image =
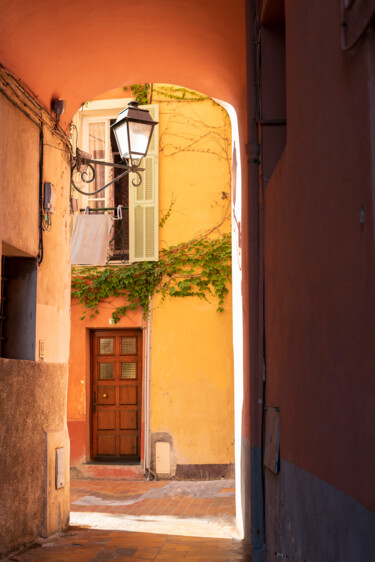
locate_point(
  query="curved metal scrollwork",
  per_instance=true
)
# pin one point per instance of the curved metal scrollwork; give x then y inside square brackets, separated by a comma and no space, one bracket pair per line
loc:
[136,181]
[83,167]
[86,175]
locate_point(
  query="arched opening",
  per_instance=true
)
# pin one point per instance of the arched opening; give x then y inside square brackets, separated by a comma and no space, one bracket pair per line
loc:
[83,55]
[187,381]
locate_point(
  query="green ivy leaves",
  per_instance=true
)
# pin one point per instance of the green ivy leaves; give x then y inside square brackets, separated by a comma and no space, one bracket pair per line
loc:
[141,93]
[198,268]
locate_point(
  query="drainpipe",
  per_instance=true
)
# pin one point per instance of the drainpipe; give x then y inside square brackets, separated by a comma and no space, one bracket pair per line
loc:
[40,225]
[147,395]
[256,499]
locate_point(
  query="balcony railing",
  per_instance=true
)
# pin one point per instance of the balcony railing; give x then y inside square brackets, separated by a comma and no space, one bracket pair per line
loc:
[118,248]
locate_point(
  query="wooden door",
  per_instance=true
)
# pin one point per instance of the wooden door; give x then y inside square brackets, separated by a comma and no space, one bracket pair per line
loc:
[116,394]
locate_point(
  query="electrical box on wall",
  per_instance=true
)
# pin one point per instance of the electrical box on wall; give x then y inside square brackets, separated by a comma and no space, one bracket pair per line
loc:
[49,199]
[163,455]
[42,348]
[60,468]
[272,439]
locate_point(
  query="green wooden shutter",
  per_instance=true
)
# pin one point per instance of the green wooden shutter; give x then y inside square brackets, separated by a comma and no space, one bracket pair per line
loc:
[144,203]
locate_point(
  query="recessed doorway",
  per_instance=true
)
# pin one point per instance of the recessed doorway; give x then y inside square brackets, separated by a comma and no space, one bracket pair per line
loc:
[116,395]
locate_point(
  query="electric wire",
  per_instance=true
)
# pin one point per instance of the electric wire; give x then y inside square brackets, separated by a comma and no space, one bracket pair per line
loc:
[26,102]
[16,86]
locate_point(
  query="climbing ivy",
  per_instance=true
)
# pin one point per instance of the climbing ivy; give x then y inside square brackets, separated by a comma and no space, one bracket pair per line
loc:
[179,94]
[142,93]
[198,268]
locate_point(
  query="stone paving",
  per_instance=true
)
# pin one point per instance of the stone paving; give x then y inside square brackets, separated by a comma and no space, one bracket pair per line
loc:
[118,520]
[176,507]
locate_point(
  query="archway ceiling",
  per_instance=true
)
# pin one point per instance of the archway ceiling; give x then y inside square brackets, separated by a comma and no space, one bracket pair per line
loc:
[77,49]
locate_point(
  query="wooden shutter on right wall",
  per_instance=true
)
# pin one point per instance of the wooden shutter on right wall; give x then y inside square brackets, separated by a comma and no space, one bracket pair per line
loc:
[144,203]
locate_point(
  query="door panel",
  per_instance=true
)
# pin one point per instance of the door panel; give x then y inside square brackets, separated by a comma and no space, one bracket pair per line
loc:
[106,420]
[129,445]
[106,445]
[106,346]
[128,370]
[117,394]
[106,371]
[128,345]
[128,420]
[128,395]
[106,394]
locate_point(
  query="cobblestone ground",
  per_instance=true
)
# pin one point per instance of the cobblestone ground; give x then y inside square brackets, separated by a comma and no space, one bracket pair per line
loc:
[118,520]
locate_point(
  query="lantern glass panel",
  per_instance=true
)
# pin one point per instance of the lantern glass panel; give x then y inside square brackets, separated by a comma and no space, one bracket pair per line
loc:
[121,133]
[139,134]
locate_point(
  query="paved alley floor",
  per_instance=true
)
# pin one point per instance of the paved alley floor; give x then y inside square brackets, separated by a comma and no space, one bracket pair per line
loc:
[163,520]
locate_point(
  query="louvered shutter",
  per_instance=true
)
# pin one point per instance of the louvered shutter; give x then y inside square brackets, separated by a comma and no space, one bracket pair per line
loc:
[144,203]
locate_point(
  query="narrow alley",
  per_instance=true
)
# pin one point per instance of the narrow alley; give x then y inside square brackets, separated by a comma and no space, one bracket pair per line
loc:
[163,520]
[187,280]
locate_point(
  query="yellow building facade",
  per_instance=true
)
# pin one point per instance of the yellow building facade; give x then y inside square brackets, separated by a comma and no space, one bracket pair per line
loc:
[175,418]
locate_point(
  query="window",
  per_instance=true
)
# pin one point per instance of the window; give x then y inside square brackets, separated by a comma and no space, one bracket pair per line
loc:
[135,236]
[18,307]
[98,148]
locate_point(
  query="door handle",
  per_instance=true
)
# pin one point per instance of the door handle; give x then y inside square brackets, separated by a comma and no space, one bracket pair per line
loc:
[94,403]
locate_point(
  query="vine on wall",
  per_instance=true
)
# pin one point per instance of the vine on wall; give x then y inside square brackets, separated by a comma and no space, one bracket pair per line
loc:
[199,268]
[143,93]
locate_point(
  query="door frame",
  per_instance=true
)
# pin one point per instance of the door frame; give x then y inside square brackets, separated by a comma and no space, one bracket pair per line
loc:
[90,386]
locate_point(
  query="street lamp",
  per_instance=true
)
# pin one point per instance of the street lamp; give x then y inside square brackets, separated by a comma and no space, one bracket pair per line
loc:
[133,130]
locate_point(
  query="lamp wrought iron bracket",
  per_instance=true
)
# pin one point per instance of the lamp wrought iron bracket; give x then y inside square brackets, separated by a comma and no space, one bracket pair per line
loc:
[83,167]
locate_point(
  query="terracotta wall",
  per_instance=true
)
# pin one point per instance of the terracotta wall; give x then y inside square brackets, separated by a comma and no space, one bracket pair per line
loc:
[79,388]
[319,295]
[192,44]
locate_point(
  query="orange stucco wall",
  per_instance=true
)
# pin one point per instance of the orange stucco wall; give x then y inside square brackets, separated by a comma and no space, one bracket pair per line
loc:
[112,41]
[33,415]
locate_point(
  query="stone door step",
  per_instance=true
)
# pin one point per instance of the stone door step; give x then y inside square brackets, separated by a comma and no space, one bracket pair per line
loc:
[106,471]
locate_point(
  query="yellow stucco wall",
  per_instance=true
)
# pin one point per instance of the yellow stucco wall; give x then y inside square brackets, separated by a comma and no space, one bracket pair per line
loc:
[191,357]
[192,380]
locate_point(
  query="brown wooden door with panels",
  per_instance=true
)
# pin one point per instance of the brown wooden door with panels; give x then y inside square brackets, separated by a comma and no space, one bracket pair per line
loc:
[116,395]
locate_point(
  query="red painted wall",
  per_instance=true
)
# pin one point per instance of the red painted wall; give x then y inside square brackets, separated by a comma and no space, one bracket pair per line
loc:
[319,257]
[77,435]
